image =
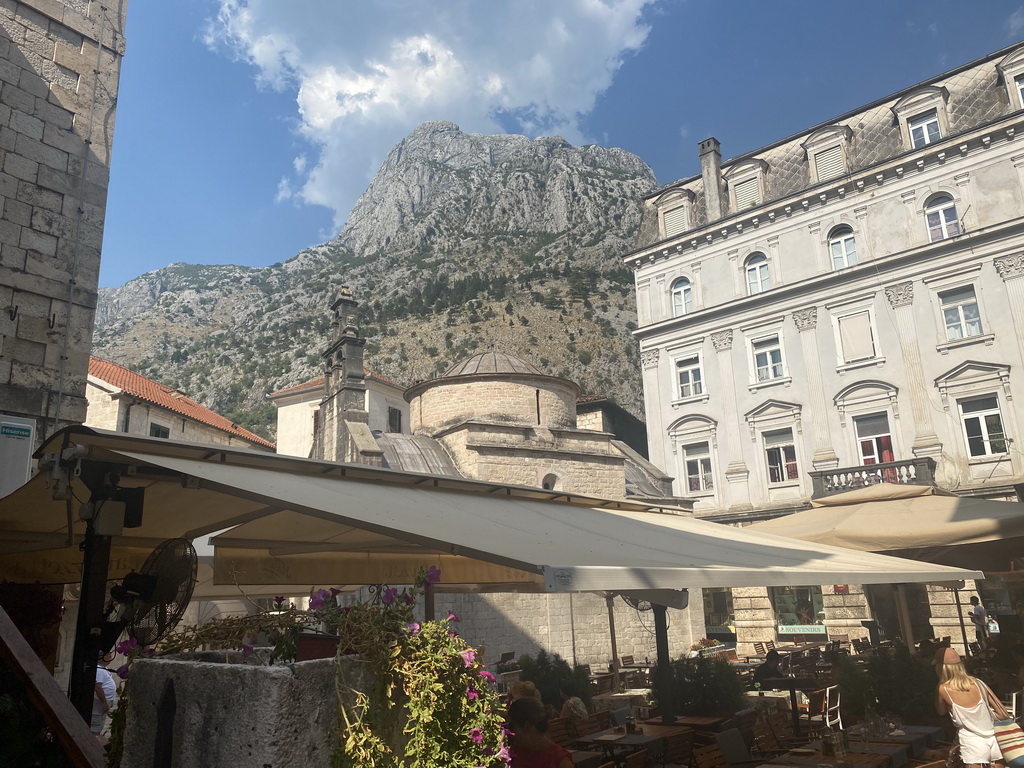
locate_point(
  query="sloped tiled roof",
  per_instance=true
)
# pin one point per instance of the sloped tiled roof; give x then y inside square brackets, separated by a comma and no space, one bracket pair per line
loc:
[137,385]
[319,382]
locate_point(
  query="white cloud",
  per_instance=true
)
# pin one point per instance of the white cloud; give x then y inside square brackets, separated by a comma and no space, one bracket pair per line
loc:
[365,74]
[1015,23]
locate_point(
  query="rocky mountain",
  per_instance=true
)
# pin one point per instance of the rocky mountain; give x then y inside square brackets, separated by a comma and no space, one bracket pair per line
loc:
[461,243]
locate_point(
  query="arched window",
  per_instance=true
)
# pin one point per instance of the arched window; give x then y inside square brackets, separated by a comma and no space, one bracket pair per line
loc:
[682,297]
[940,215]
[550,482]
[758,279]
[842,245]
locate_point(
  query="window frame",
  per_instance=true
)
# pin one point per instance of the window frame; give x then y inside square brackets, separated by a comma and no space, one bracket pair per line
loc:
[788,463]
[763,279]
[1011,69]
[925,121]
[678,362]
[848,309]
[963,323]
[828,139]
[945,283]
[985,435]
[754,170]
[842,234]
[918,105]
[938,204]
[770,365]
[705,466]
[401,419]
[673,201]
[686,293]
[162,431]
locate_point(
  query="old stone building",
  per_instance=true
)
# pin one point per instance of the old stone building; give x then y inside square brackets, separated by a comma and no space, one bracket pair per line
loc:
[840,307]
[60,63]
[497,418]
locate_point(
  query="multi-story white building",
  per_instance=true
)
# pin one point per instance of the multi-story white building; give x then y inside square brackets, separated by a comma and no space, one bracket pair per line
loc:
[843,306]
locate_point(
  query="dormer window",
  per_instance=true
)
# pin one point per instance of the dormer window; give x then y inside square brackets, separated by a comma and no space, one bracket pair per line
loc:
[1011,70]
[674,212]
[826,151]
[746,184]
[922,116]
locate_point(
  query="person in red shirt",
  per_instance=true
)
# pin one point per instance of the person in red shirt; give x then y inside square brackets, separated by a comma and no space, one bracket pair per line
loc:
[528,720]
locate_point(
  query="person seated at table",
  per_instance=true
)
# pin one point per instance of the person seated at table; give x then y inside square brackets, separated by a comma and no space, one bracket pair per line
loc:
[573,708]
[531,748]
[770,668]
[526,689]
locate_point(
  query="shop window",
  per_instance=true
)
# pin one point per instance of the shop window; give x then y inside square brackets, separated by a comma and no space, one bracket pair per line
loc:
[719,617]
[798,610]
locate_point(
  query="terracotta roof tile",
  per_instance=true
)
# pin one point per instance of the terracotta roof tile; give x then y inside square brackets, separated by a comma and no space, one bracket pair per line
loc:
[137,385]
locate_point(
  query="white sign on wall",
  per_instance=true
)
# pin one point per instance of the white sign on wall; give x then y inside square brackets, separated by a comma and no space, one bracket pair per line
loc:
[17,440]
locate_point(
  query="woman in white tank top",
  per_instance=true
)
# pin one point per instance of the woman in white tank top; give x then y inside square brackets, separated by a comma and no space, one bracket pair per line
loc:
[971,705]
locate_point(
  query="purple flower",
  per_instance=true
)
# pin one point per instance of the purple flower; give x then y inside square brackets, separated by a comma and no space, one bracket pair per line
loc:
[335,591]
[279,601]
[452,633]
[408,597]
[149,651]
[488,751]
[433,575]
[412,628]
[247,649]
[467,657]
[318,600]
[504,755]
[472,693]
[389,596]
[452,616]
[487,675]
[127,646]
[122,672]
[477,735]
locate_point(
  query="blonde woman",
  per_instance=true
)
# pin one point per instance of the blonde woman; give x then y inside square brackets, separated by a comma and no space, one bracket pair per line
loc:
[971,705]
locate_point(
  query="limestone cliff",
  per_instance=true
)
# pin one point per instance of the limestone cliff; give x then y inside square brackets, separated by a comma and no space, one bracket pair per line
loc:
[460,243]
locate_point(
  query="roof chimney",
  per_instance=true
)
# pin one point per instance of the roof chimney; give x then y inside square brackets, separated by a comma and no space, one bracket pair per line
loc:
[711,172]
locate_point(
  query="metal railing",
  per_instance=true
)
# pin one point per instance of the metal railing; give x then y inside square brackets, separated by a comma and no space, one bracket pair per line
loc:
[919,471]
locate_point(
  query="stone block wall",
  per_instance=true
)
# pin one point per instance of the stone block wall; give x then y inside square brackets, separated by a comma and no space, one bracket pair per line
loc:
[512,400]
[60,62]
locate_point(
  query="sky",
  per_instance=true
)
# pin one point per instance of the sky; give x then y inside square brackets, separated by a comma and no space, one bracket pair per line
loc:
[247,129]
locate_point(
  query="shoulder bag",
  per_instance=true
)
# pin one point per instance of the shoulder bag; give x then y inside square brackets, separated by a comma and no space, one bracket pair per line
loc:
[1008,734]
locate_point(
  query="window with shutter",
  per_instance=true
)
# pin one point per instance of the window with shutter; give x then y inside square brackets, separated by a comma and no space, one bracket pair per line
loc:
[829,164]
[748,193]
[856,337]
[675,221]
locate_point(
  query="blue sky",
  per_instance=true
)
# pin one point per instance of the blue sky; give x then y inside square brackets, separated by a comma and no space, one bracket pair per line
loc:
[246,129]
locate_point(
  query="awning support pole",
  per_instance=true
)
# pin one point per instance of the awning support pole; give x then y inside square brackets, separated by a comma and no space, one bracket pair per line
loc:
[903,612]
[82,686]
[960,614]
[663,671]
[609,600]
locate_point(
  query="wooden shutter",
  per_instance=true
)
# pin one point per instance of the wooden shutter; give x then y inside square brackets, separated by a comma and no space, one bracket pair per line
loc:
[856,337]
[748,193]
[675,220]
[829,163]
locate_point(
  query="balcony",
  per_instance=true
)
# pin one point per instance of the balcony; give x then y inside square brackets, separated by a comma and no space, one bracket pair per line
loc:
[909,472]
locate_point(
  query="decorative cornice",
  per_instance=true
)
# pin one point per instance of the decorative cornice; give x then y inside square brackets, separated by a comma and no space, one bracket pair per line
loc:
[806,319]
[900,294]
[649,358]
[1011,266]
[722,340]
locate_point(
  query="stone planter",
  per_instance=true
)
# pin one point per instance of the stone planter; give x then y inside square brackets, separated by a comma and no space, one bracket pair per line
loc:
[220,709]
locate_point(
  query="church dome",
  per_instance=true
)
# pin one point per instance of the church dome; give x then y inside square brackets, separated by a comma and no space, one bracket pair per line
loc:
[493,363]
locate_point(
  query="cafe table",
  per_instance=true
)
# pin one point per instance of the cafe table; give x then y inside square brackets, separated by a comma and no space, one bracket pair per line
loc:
[582,758]
[649,737]
[899,754]
[696,722]
[818,760]
[792,684]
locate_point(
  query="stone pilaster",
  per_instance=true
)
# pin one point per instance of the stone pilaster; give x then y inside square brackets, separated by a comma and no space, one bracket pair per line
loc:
[901,299]
[654,396]
[755,618]
[824,454]
[737,494]
[1011,269]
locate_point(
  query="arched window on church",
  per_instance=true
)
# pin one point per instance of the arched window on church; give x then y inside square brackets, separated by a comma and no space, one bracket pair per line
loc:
[550,482]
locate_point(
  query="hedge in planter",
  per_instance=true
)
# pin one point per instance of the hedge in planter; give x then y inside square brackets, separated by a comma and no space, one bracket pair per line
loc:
[702,687]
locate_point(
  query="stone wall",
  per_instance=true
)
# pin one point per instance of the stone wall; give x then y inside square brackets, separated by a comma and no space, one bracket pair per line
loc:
[59,67]
[509,399]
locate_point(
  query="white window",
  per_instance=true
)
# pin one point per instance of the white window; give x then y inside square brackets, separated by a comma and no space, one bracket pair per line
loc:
[830,163]
[940,215]
[767,358]
[1018,83]
[924,129]
[697,458]
[682,297]
[842,245]
[674,220]
[960,313]
[688,375]
[758,279]
[748,193]
[983,426]
[874,438]
[856,337]
[780,454]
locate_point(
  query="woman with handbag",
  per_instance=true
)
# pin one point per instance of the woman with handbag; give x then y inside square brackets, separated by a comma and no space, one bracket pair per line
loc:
[973,708]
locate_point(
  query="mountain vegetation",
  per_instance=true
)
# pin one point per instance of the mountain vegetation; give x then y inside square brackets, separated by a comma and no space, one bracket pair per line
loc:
[462,243]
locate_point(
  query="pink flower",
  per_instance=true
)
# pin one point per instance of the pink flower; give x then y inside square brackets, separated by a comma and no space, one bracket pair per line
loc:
[127,646]
[412,628]
[453,617]
[122,672]
[389,596]
[467,657]
[452,633]
[477,735]
[472,693]
[487,675]
[149,651]
[408,597]
[433,575]
[504,755]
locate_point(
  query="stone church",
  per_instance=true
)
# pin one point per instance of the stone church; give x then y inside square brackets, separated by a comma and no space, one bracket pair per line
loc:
[496,418]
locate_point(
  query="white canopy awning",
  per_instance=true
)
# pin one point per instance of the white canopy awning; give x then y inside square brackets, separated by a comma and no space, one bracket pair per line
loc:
[320,523]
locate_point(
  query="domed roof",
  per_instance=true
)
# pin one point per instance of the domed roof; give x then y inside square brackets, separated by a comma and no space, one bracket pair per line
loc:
[491,363]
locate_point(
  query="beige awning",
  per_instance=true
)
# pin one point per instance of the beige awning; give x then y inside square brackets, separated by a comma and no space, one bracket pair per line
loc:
[913,521]
[319,523]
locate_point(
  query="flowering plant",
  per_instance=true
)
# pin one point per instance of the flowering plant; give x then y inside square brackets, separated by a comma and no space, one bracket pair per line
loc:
[705,642]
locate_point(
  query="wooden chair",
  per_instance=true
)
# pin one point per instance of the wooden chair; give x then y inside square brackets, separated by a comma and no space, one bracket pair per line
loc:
[627,661]
[843,642]
[678,749]
[759,649]
[744,721]
[770,645]
[636,759]
[709,756]
[558,731]
[603,719]
[781,724]
[588,726]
